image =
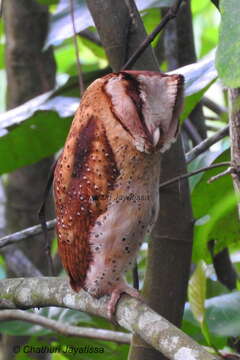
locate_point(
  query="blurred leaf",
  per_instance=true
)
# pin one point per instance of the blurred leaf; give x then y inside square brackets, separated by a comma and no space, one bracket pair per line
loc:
[48,2]
[198,78]
[197,295]
[66,316]
[3,86]
[61,24]
[222,315]
[38,137]
[198,75]
[206,21]
[228,53]
[197,291]
[2,60]
[191,101]
[97,50]
[92,349]
[151,18]
[218,201]
[203,160]
[199,6]
[27,350]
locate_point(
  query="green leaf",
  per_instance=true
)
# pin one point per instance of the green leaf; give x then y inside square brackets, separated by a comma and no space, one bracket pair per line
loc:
[218,201]
[197,291]
[191,101]
[3,87]
[48,2]
[198,75]
[198,78]
[222,315]
[203,160]
[39,136]
[103,350]
[197,295]
[151,18]
[228,53]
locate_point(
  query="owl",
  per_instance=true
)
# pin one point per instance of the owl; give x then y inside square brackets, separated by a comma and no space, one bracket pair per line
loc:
[106,180]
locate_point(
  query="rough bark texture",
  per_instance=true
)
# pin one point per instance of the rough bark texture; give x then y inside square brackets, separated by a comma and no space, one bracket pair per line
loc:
[234,117]
[131,313]
[30,72]
[170,247]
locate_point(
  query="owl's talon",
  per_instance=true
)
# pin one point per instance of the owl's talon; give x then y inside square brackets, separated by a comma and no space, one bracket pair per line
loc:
[115,296]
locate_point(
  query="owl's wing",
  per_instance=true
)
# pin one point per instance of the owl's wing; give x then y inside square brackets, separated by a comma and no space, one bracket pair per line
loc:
[84,175]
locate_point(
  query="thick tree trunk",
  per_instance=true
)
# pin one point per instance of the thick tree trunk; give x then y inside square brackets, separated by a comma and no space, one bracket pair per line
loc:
[170,246]
[30,72]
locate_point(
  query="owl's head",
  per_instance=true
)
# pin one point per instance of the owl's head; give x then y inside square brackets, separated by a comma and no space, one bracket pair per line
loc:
[147,104]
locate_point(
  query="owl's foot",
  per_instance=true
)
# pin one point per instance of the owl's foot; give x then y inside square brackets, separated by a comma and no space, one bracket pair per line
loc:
[115,296]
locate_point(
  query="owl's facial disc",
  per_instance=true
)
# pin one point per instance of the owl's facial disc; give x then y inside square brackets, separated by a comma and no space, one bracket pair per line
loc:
[148,105]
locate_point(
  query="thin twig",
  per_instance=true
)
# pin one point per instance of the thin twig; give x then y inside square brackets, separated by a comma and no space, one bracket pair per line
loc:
[18,263]
[79,67]
[192,173]
[230,170]
[217,109]
[206,144]
[65,329]
[192,132]
[171,14]
[26,233]
[42,218]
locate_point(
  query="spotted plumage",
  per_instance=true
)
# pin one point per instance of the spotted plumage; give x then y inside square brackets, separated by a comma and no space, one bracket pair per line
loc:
[106,180]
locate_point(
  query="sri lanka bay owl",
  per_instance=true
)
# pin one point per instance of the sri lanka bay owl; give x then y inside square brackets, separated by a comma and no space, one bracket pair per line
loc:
[106,180]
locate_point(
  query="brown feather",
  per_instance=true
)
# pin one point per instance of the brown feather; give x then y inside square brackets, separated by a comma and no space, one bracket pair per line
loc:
[90,170]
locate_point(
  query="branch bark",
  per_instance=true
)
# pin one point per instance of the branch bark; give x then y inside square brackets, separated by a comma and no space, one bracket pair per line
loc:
[206,144]
[25,234]
[133,315]
[234,123]
[65,329]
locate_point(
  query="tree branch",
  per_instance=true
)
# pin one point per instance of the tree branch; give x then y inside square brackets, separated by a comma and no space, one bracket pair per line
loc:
[192,132]
[65,329]
[217,109]
[26,233]
[206,144]
[19,264]
[132,314]
[171,14]
[192,173]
